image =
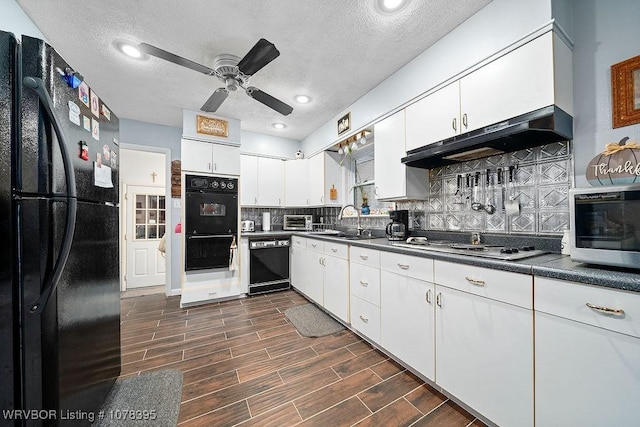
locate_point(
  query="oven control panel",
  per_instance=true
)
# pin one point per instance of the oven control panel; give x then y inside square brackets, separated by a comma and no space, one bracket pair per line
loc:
[272,243]
[201,183]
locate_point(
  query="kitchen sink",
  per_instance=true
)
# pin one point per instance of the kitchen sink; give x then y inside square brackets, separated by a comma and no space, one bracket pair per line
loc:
[341,235]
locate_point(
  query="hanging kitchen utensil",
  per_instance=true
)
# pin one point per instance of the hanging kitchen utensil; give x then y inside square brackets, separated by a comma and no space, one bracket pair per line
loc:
[475,199]
[490,206]
[511,206]
[500,178]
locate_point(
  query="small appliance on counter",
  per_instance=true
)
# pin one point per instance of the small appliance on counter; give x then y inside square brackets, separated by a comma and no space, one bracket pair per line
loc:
[247,226]
[605,225]
[298,222]
[266,221]
[398,228]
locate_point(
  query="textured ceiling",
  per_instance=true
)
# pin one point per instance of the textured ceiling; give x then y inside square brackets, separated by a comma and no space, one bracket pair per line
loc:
[332,50]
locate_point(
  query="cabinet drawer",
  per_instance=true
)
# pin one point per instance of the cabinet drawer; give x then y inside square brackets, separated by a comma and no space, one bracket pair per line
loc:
[364,256]
[315,245]
[365,282]
[336,249]
[298,242]
[407,265]
[569,300]
[505,286]
[365,318]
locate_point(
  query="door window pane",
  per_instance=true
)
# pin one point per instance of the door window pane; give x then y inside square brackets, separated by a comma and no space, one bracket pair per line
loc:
[149,213]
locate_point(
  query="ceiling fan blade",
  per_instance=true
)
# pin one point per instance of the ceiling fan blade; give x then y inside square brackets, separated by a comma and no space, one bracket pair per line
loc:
[168,56]
[215,100]
[260,55]
[269,101]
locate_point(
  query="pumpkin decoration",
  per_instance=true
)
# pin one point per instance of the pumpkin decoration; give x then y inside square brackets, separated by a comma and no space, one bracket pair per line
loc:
[618,164]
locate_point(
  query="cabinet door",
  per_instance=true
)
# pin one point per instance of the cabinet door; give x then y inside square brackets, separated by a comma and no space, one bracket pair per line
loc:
[407,321]
[336,286]
[514,84]
[296,182]
[270,182]
[196,156]
[585,375]
[434,118]
[296,268]
[248,180]
[388,149]
[225,159]
[316,180]
[484,355]
[314,272]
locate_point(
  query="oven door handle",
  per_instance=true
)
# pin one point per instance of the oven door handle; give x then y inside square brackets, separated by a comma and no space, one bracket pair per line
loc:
[211,236]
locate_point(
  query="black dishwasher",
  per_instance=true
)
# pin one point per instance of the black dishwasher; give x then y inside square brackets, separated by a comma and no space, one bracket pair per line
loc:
[268,265]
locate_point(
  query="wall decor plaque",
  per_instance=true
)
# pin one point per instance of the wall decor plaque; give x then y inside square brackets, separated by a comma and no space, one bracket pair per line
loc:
[344,123]
[176,182]
[625,92]
[212,126]
[618,164]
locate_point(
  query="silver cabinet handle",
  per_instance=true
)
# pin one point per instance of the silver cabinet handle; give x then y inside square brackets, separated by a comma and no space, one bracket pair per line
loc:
[363,283]
[321,199]
[364,319]
[365,257]
[464,120]
[606,310]
[475,281]
[255,200]
[375,191]
[454,124]
[439,299]
[334,250]
[279,201]
[215,166]
[427,296]
[403,266]
[209,166]
[313,244]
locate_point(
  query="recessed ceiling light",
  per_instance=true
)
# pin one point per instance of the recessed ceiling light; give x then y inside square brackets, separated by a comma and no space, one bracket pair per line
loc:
[302,99]
[279,125]
[391,6]
[130,49]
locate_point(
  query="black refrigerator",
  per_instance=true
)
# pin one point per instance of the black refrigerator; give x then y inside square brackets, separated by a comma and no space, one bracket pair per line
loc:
[59,224]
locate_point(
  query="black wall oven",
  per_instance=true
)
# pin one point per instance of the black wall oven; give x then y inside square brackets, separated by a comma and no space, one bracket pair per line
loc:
[211,220]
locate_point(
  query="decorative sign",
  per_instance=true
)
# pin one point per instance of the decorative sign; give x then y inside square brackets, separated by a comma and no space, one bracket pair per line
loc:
[625,92]
[211,126]
[175,178]
[618,164]
[344,123]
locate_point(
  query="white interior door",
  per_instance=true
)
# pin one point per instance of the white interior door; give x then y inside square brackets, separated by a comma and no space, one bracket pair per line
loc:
[145,224]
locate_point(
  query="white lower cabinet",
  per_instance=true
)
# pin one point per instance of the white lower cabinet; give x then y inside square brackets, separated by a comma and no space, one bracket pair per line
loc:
[365,318]
[314,272]
[587,360]
[364,285]
[484,346]
[407,320]
[298,254]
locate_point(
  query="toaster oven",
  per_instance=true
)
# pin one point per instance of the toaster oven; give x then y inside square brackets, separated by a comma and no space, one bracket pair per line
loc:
[298,222]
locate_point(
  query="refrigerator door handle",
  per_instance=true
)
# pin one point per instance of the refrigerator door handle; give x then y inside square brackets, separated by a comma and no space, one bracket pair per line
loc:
[72,202]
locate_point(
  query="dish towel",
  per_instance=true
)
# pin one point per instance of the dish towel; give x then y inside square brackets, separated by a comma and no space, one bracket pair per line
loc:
[233,255]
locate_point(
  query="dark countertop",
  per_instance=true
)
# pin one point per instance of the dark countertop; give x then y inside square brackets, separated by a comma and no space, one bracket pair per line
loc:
[552,265]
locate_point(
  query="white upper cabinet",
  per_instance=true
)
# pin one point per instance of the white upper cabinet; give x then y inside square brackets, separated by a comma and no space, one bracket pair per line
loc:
[296,182]
[261,181]
[324,173]
[434,118]
[394,180]
[206,157]
[533,76]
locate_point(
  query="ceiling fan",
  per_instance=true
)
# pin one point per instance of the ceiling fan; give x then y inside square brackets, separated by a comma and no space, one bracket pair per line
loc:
[232,71]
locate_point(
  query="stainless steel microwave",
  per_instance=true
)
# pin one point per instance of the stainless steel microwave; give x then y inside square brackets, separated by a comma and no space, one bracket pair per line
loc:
[605,225]
[298,222]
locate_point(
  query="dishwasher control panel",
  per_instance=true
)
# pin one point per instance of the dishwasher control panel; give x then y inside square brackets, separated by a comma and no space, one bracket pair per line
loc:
[271,243]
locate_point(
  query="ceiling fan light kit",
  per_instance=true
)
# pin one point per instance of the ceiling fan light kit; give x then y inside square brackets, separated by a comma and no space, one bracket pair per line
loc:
[232,71]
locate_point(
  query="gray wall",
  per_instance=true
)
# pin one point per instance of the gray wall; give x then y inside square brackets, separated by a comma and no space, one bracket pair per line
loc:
[152,135]
[14,20]
[605,32]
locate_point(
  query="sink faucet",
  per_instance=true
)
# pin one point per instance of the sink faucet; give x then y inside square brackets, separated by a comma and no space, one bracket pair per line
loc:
[359,227]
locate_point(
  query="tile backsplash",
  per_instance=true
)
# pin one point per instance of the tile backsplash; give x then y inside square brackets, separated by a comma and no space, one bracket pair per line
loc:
[541,182]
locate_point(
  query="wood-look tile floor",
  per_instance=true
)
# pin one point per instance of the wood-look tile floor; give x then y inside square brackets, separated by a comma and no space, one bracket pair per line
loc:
[244,364]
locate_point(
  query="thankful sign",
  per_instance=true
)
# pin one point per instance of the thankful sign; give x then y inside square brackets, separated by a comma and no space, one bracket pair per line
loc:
[618,164]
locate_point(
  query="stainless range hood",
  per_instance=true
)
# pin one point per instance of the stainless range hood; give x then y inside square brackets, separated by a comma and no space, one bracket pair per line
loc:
[540,127]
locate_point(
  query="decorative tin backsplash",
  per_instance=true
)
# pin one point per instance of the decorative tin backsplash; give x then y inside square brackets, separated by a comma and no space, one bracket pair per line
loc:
[328,216]
[541,181]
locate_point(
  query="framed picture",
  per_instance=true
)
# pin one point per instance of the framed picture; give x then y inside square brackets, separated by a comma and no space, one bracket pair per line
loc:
[212,126]
[625,92]
[344,123]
